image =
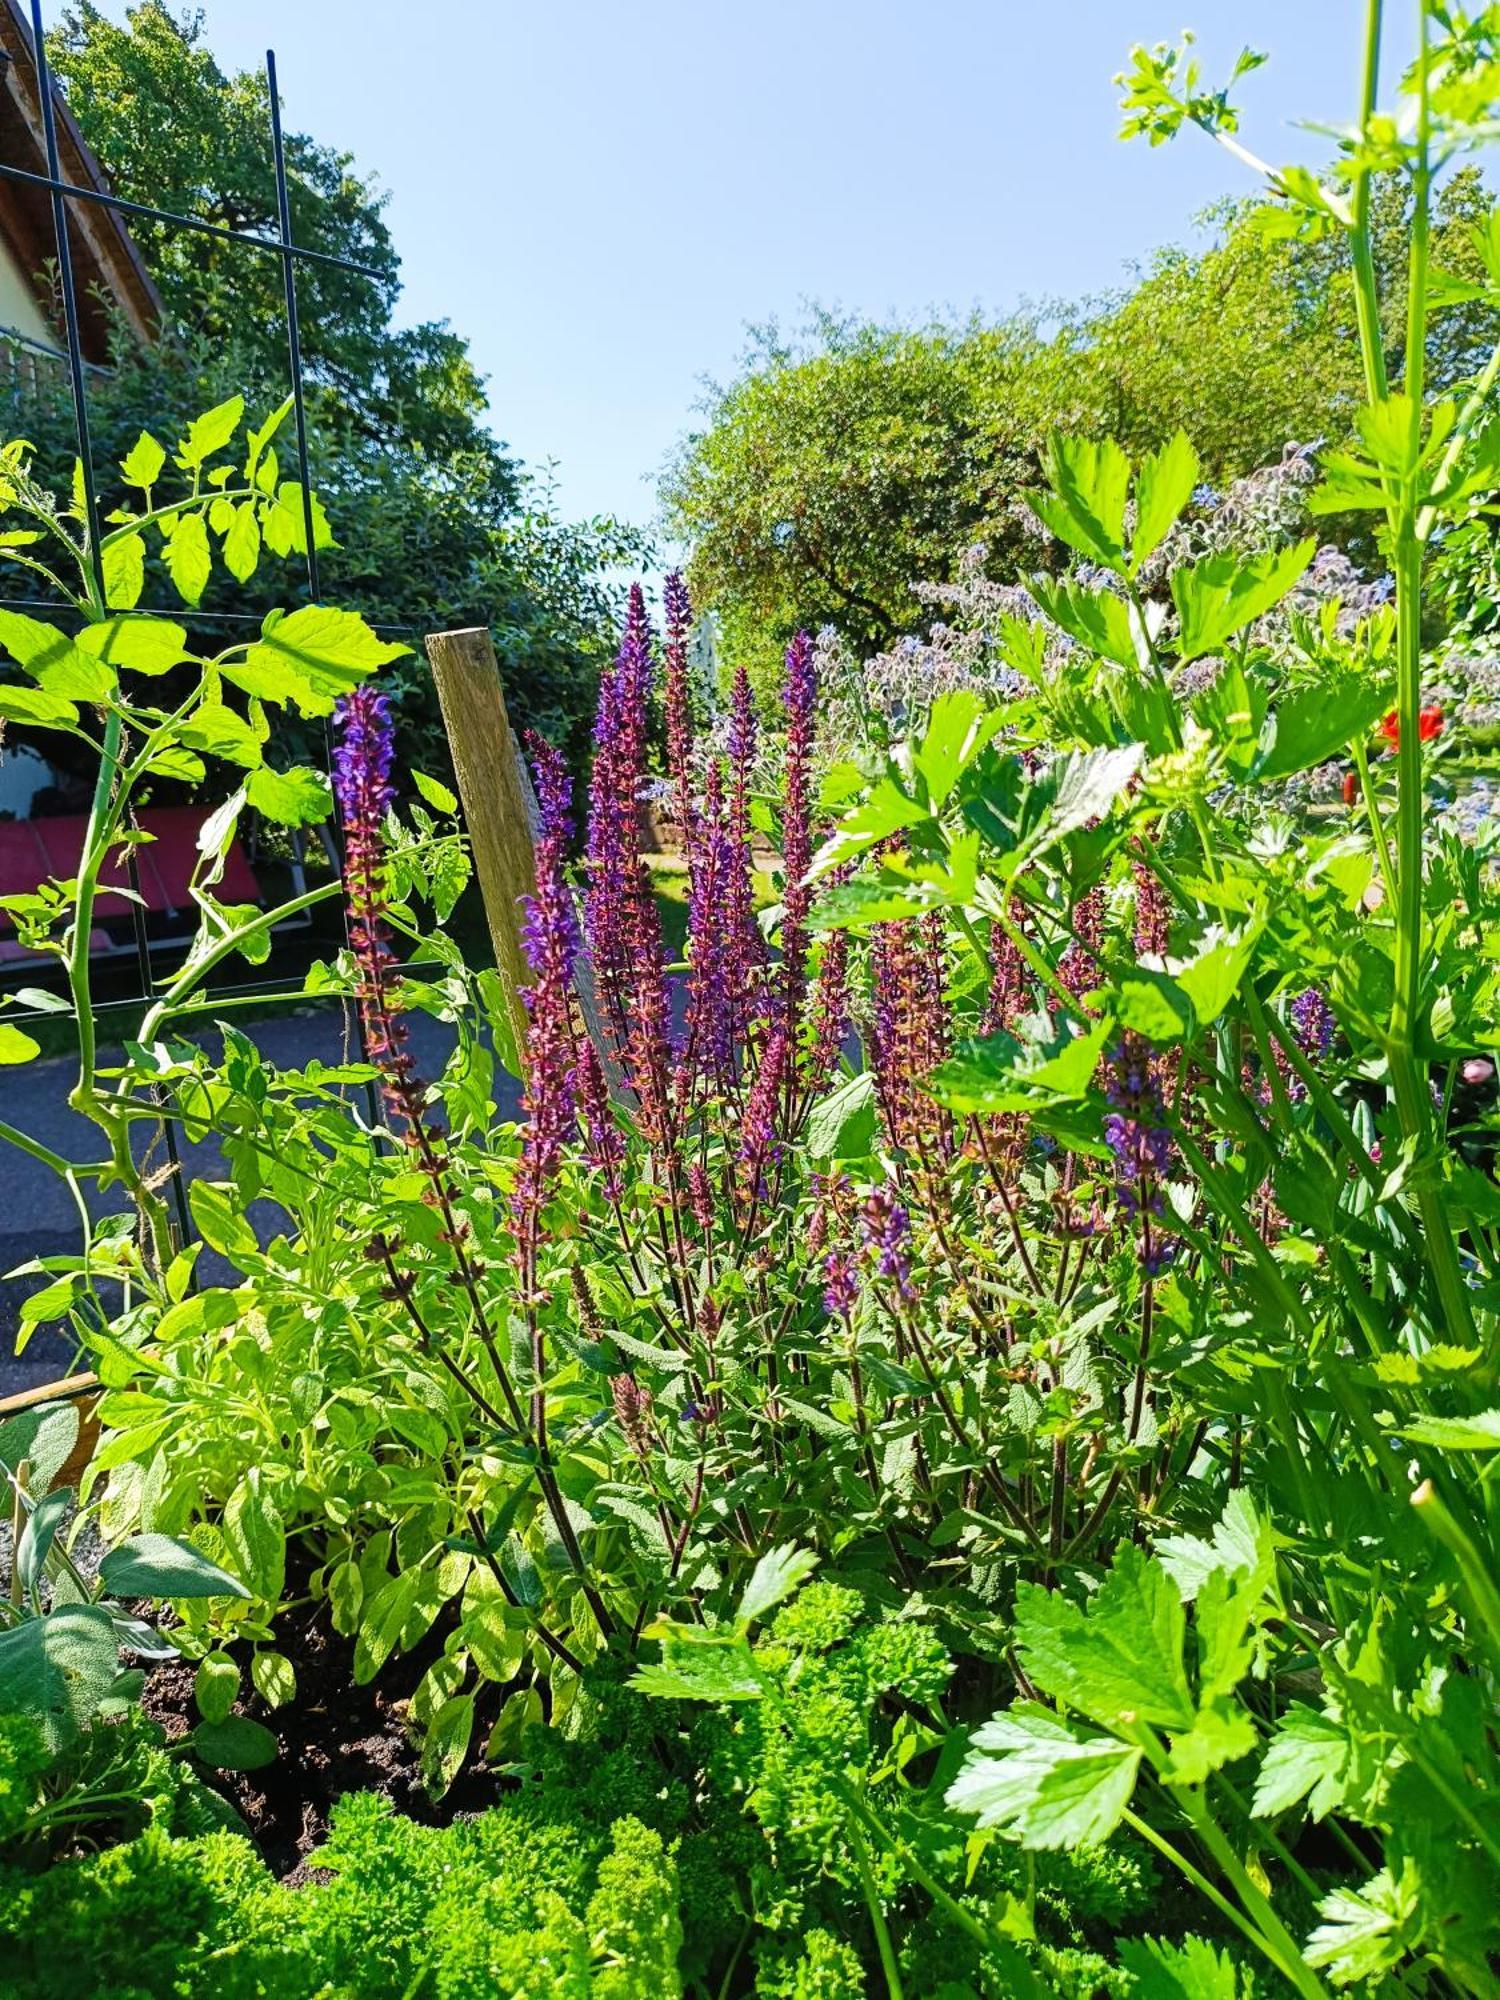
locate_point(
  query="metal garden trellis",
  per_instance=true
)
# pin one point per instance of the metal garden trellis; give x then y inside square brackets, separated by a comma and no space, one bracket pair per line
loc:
[291,254]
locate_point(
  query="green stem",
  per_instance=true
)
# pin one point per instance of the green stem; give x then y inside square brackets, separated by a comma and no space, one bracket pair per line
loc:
[1479,1586]
[1274,1939]
[95,847]
[1199,1880]
[1377,823]
[871,1890]
[1366,288]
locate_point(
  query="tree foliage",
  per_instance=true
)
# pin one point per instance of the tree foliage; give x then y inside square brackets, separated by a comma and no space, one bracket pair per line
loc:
[436,523]
[839,469]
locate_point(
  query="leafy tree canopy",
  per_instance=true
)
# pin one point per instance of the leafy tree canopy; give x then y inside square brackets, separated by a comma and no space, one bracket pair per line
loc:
[840,468]
[436,524]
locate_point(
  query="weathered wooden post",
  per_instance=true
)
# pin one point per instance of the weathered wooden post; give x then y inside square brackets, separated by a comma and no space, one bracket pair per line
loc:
[493,787]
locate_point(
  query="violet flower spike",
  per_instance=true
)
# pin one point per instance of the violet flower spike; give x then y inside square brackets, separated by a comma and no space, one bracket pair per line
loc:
[747,947]
[801,697]
[624,930]
[759,1127]
[711,948]
[1153,915]
[887,1230]
[550,938]
[840,1285]
[1312,1023]
[363,759]
[1136,1133]
[677,612]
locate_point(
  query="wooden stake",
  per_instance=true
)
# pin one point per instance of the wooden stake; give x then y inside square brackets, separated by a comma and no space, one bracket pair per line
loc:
[491,784]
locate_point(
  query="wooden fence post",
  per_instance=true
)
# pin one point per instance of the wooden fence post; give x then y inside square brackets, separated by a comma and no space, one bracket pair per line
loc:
[493,786]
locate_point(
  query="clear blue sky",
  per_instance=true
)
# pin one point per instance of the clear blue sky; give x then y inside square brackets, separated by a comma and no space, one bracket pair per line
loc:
[601,196]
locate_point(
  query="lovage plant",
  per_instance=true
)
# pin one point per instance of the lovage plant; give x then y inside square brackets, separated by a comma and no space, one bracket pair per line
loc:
[1263,1041]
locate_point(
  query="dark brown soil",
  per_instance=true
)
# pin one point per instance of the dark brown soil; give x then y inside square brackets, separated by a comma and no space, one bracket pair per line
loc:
[333,1738]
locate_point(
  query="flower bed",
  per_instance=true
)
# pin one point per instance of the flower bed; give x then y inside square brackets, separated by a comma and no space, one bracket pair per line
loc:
[949,1451]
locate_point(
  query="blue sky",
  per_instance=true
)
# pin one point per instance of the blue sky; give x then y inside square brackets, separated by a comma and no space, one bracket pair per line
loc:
[602,196]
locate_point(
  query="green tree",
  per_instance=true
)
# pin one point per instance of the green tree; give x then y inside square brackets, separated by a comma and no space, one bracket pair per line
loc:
[836,471]
[436,524]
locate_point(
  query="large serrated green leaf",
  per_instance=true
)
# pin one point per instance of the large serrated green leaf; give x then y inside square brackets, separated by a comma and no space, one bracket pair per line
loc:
[1041,1783]
[1223,594]
[1119,1658]
[778,1574]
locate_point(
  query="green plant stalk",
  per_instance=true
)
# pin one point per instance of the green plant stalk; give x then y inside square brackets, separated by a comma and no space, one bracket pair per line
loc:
[1479,1585]
[867,1883]
[950,1905]
[1275,1939]
[1377,823]
[1219,1900]
[1407,528]
[1366,289]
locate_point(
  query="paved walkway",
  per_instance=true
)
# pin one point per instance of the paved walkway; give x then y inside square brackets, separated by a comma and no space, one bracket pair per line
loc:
[37,1214]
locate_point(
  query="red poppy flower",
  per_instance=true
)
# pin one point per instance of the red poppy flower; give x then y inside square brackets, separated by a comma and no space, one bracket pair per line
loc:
[1429,725]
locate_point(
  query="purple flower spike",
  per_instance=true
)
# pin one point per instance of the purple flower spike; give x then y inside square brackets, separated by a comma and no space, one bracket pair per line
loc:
[606,1142]
[1312,1024]
[759,1128]
[624,930]
[840,1285]
[363,758]
[888,1239]
[1153,916]
[677,609]
[715,967]
[747,947]
[801,698]
[1136,1133]
[550,936]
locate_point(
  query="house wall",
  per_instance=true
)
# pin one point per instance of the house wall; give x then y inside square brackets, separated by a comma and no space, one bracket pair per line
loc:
[19,311]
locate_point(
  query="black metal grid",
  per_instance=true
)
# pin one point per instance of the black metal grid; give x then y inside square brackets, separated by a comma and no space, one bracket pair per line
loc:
[282,245]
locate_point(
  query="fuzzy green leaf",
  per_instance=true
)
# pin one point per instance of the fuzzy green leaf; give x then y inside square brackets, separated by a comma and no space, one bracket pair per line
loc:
[841,1126]
[142,464]
[123,562]
[242,543]
[143,645]
[25,704]
[235,1744]
[298,797]
[162,1566]
[189,563]
[437,795]
[210,433]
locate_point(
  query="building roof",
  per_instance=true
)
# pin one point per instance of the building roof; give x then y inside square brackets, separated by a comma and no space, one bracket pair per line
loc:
[109,273]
